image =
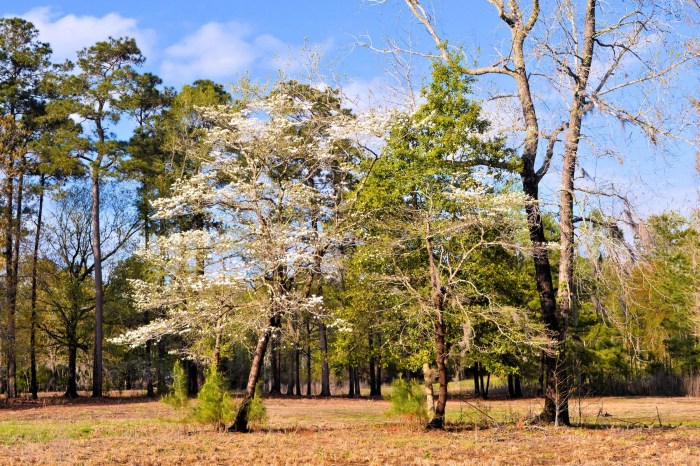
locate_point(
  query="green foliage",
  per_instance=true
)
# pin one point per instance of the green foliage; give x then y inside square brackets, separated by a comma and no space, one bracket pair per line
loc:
[214,404]
[257,412]
[408,399]
[177,398]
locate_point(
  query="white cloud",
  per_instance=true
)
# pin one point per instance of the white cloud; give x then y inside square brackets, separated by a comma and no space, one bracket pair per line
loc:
[222,50]
[69,33]
[215,50]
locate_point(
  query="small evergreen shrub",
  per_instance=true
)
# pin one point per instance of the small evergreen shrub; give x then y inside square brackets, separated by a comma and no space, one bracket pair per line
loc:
[408,400]
[257,413]
[214,403]
[177,398]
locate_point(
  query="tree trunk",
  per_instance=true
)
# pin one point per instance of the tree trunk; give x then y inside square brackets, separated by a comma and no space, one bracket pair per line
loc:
[192,383]
[566,196]
[160,368]
[372,364]
[297,371]
[557,389]
[530,177]
[276,385]
[482,390]
[149,370]
[378,381]
[351,382]
[358,393]
[438,420]
[488,382]
[308,358]
[200,377]
[438,300]
[511,387]
[530,180]
[325,373]
[72,389]
[518,388]
[477,392]
[99,298]
[10,298]
[240,424]
[540,376]
[429,392]
[15,267]
[216,353]
[543,279]
[148,356]
[33,387]
[290,372]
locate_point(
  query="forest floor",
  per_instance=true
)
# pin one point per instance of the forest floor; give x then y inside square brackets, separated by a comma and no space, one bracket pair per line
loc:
[351,431]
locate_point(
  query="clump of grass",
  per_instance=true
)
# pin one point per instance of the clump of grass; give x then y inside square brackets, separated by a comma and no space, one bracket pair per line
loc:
[214,404]
[257,413]
[408,400]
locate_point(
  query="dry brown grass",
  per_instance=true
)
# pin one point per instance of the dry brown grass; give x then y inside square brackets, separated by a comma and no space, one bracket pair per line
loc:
[342,431]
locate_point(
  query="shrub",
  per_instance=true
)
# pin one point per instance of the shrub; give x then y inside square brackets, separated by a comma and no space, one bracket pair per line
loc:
[408,400]
[214,404]
[257,413]
[177,398]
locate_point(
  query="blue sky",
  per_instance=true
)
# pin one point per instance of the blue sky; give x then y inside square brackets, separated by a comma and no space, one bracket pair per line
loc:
[221,40]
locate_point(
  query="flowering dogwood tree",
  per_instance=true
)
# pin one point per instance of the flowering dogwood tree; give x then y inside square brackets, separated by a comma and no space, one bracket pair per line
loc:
[276,190]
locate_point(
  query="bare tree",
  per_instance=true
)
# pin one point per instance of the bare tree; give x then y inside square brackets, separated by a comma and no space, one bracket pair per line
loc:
[604,59]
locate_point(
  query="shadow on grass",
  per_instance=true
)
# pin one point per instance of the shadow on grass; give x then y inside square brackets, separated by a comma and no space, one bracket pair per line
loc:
[60,400]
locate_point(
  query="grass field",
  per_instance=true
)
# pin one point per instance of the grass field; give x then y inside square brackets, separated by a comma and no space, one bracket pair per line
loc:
[344,431]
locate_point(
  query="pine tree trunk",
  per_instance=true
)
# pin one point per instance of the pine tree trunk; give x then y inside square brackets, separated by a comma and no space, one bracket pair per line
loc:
[308,358]
[290,372]
[297,371]
[10,301]
[325,372]
[15,266]
[33,386]
[99,289]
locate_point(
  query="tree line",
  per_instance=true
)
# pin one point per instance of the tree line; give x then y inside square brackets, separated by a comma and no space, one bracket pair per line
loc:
[266,231]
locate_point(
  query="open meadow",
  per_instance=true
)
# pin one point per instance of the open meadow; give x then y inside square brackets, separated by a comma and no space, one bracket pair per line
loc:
[351,431]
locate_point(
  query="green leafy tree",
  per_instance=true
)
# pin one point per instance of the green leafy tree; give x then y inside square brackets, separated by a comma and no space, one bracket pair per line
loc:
[432,212]
[24,60]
